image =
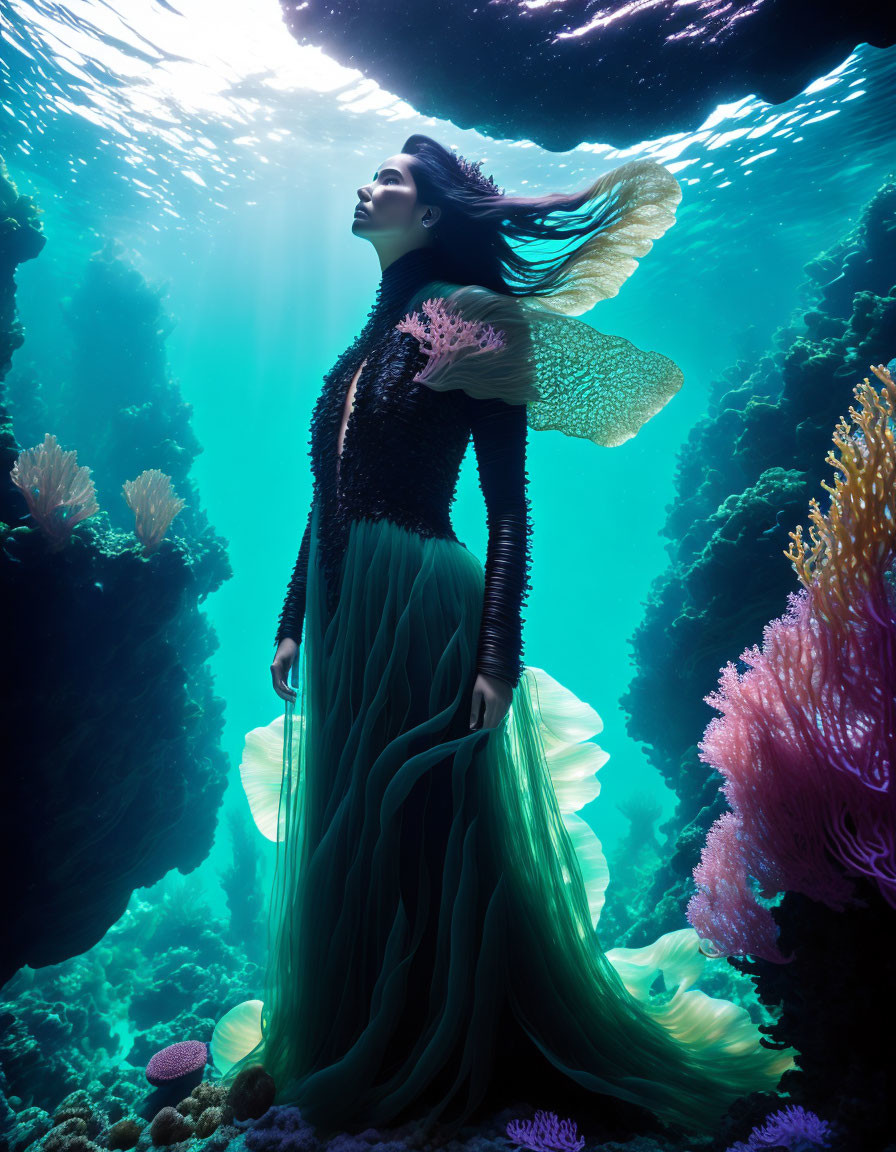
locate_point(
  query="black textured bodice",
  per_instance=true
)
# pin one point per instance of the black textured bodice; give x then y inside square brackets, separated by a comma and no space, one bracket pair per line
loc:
[402,453]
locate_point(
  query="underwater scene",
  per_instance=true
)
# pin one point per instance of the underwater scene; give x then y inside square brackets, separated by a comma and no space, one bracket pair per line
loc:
[448,575]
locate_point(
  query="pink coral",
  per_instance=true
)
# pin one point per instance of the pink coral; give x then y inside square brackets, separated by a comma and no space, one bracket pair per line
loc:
[59,493]
[807,740]
[806,745]
[724,911]
[155,504]
[444,337]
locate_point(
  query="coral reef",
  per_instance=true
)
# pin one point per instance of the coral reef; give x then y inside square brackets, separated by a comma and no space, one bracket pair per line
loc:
[112,731]
[112,397]
[744,479]
[808,733]
[55,1037]
[806,748]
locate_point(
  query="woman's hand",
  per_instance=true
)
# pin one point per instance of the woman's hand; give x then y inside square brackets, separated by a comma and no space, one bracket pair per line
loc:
[283,662]
[494,695]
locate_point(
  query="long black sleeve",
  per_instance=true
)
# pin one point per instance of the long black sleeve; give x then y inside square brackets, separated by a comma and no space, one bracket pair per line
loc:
[292,615]
[499,439]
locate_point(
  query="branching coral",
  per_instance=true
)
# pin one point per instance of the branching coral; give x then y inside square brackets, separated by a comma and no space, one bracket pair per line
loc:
[444,337]
[155,504]
[546,1133]
[854,544]
[59,493]
[807,740]
[793,1129]
[725,910]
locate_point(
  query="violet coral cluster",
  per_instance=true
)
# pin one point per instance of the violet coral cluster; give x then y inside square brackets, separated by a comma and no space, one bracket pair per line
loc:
[793,1128]
[546,1133]
[154,503]
[807,738]
[445,337]
[59,493]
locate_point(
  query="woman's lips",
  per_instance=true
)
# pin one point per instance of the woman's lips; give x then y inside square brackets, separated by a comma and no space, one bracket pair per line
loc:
[360,211]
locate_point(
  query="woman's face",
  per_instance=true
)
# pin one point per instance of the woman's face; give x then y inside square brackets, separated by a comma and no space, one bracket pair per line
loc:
[387,207]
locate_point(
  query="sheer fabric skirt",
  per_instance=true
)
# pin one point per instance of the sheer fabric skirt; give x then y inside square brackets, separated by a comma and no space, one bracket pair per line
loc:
[432,949]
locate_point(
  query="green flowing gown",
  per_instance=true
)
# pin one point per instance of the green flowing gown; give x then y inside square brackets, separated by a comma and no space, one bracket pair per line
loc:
[433,948]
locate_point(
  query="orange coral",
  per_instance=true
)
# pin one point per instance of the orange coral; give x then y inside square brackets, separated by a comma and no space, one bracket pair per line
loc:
[854,543]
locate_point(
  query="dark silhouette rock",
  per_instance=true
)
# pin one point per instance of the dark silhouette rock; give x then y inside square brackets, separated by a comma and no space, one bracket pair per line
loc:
[562,73]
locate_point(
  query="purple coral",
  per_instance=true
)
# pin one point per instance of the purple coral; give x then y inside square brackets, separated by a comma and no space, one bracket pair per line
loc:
[176,1061]
[281,1129]
[444,337]
[546,1133]
[792,1128]
[58,492]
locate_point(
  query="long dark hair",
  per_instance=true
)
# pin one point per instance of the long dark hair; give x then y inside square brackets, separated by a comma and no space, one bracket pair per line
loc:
[475,234]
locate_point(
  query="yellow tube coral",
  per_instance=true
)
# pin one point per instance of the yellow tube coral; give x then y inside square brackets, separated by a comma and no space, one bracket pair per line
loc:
[853,544]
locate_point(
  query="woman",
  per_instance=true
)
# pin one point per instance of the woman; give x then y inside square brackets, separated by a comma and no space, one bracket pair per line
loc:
[432,948]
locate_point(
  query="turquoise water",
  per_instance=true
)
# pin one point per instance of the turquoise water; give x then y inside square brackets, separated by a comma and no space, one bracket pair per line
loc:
[226,166]
[267,285]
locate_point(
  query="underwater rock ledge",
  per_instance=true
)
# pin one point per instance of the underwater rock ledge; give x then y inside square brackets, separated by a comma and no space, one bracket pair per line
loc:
[111,731]
[624,76]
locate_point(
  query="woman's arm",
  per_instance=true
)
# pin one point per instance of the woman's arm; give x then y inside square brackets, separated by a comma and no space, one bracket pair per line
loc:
[292,614]
[499,439]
